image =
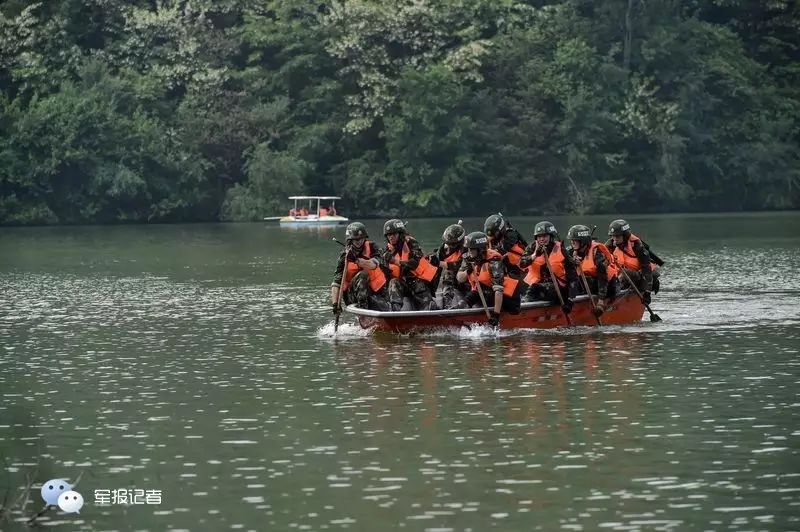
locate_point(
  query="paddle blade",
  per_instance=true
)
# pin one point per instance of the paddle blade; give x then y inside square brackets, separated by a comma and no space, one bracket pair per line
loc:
[655,317]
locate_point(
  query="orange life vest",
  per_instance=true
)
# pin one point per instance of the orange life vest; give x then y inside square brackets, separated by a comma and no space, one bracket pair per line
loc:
[556,265]
[424,270]
[513,255]
[376,277]
[485,276]
[453,257]
[626,257]
[588,266]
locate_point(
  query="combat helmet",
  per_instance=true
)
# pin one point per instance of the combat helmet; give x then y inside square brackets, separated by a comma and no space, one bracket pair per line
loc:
[355,231]
[476,240]
[619,228]
[453,235]
[494,225]
[394,226]
[545,228]
[581,233]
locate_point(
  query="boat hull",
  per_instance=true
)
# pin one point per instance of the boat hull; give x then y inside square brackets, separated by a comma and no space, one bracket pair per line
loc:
[538,315]
[312,220]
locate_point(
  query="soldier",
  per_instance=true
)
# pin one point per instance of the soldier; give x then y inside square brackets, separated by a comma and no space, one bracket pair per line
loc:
[538,279]
[634,256]
[448,259]
[485,270]
[594,260]
[411,273]
[365,283]
[507,241]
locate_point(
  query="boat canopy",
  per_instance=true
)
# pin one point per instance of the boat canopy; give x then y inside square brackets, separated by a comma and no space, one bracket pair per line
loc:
[314,197]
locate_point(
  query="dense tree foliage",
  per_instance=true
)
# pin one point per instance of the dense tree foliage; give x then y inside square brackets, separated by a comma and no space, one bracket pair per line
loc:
[166,110]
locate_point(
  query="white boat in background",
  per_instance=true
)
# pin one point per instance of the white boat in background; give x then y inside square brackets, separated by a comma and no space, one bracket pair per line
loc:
[309,216]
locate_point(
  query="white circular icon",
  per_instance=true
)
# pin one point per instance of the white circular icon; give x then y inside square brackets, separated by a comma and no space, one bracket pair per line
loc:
[52,490]
[70,502]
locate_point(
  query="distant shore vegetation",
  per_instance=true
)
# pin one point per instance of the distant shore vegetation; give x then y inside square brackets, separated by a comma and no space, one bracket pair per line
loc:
[166,111]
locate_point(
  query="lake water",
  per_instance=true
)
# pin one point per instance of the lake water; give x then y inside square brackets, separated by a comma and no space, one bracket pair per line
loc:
[198,360]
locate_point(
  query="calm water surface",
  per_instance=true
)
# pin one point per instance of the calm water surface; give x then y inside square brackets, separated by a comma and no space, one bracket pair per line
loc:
[199,360]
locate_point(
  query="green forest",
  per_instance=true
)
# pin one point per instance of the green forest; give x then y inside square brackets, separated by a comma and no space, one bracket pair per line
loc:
[117,111]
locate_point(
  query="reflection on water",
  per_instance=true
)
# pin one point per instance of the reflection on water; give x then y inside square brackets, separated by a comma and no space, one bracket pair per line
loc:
[212,374]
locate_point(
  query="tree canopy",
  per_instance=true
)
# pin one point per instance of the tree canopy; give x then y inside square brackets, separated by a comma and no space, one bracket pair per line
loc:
[165,110]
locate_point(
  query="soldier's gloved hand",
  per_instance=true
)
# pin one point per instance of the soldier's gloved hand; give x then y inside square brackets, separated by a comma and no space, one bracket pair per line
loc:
[600,308]
[470,262]
[646,297]
[433,259]
[494,319]
[567,306]
[336,309]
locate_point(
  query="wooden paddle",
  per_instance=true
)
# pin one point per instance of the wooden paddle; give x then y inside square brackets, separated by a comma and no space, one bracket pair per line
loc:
[555,283]
[588,292]
[586,282]
[480,294]
[653,315]
[338,313]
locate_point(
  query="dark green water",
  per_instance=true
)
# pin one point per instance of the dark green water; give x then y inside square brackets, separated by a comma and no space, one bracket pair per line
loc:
[198,360]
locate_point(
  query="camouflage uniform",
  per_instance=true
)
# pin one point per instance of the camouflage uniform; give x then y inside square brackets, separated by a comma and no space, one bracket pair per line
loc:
[544,290]
[447,274]
[646,280]
[408,285]
[359,291]
[497,270]
[600,285]
[505,245]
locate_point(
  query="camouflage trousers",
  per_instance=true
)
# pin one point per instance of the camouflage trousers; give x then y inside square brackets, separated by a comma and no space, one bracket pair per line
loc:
[544,292]
[611,290]
[416,289]
[450,287]
[360,294]
[638,279]
[473,299]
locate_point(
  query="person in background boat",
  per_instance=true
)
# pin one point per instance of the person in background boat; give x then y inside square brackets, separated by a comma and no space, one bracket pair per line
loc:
[595,261]
[323,212]
[447,258]
[539,283]
[365,282]
[633,254]
[507,241]
[332,210]
[411,273]
[484,269]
